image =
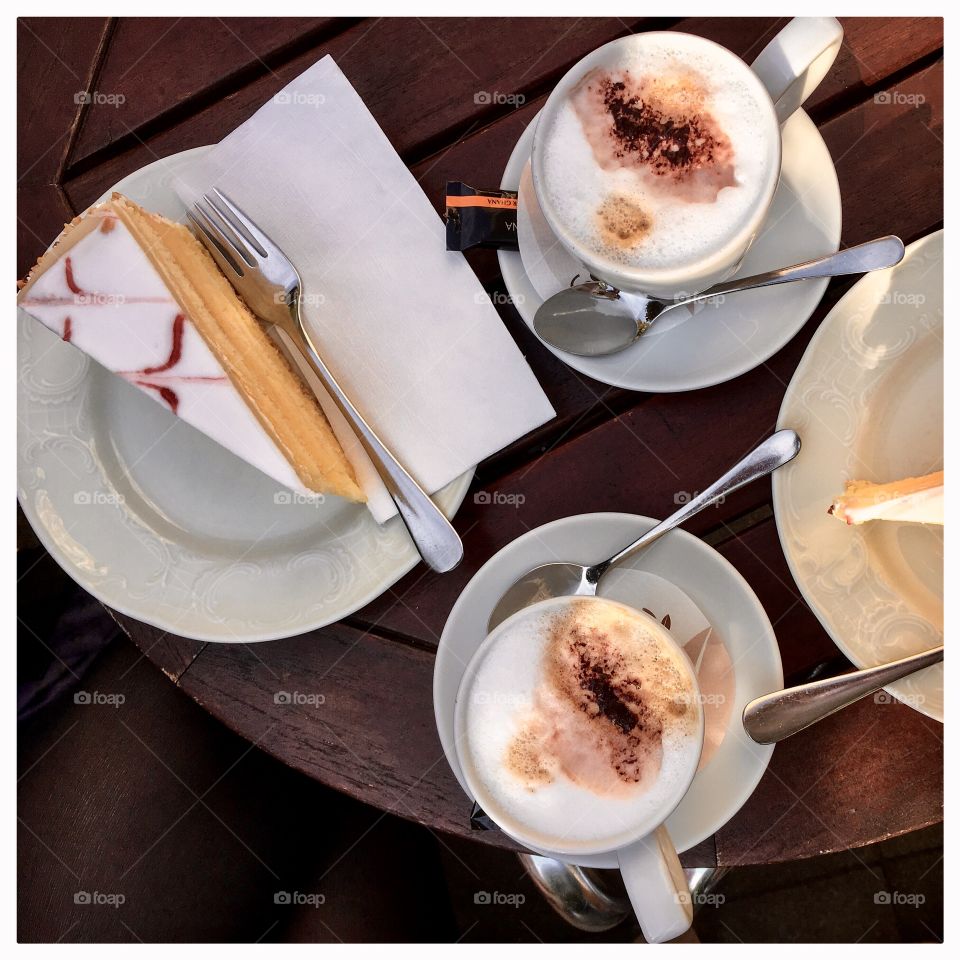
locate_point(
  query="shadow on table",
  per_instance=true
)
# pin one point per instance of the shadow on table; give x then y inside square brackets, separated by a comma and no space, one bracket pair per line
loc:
[143,818]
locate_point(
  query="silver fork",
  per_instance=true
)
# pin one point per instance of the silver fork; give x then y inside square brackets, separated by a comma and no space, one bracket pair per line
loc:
[271,287]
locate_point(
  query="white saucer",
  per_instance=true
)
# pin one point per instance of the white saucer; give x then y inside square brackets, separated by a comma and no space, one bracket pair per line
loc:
[111,485]
[722,340]
[723,784]
[867,398]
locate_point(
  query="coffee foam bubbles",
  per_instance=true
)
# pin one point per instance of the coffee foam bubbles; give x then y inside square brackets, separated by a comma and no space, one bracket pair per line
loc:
[725,125]
[581,726]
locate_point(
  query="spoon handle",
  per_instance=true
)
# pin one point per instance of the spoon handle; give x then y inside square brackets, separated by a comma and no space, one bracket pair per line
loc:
[777,716]
[774,452]
[873,255]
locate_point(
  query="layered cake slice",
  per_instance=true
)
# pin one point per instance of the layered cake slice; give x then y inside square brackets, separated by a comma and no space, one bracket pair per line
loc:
[915,499]
[142,297]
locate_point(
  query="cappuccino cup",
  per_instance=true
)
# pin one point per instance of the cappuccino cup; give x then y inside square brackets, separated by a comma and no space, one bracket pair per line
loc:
[579,728]
[656,158]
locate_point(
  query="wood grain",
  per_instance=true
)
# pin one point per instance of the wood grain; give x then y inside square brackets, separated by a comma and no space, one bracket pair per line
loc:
[446,68]
[146,64]
[54,67]
[311,700]
[869,773]
[171,653]
[440,88]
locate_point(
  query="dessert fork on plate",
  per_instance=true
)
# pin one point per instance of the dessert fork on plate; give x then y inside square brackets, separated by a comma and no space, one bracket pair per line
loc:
[271,287]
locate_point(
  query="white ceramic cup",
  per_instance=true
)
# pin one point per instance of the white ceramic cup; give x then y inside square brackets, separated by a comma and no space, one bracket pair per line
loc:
[649,865]
[788,70]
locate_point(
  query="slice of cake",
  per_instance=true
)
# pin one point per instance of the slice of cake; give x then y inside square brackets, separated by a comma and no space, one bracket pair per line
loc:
[141,296]
[915,499]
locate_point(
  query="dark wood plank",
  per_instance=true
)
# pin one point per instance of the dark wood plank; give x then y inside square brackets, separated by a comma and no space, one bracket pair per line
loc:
[171,653]
[53,66]
[448,68]
[152,63]
[358,717]
[435,95]
[874,48]
[889,159]
[869,773]
[414,113]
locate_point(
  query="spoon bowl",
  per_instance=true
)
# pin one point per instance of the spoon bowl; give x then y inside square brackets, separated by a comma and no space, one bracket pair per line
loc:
[593,319]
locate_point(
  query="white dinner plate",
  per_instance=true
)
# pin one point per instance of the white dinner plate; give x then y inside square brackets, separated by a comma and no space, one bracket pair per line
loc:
[725,782]
[161,523]
[867,401]
[724,339]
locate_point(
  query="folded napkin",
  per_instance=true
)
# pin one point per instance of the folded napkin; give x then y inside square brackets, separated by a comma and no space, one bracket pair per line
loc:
[404,325]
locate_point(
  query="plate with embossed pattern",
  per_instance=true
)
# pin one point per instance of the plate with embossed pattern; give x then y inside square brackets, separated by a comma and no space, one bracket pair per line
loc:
[867,399]
[109,481]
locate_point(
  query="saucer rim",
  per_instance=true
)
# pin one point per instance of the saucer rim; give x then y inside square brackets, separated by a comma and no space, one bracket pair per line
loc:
[627,524]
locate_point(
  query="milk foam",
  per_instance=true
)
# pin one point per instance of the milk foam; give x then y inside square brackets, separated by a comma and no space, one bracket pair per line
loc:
[679,232]
[602,809]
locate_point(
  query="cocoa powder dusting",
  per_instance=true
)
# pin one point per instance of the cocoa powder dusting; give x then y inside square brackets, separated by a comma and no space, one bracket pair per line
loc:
[661,127]
[593,720]
[669,145]
[622,222]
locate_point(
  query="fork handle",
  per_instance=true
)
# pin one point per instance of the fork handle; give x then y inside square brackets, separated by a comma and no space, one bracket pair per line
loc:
[432,533]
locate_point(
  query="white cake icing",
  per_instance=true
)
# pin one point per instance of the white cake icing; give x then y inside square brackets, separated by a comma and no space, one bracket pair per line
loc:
[106,298]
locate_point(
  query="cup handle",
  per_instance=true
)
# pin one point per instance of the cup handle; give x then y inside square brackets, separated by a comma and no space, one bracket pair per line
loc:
[794,62]
[657,886]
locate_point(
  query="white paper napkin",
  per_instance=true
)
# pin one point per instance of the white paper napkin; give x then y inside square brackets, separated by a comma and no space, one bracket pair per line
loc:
[404,325]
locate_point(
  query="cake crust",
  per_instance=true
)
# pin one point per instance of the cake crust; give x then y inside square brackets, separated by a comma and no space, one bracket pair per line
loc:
[912,500]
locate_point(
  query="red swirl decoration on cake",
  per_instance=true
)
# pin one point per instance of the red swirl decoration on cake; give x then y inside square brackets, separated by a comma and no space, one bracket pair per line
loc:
[176,348]
[147,378]
[168,395]
[71,282]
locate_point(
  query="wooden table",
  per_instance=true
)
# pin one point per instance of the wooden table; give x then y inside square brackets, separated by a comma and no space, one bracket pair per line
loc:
[871,773]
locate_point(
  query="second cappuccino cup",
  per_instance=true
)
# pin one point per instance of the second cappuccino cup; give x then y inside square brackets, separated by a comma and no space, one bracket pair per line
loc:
[656,158]
[579,729]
